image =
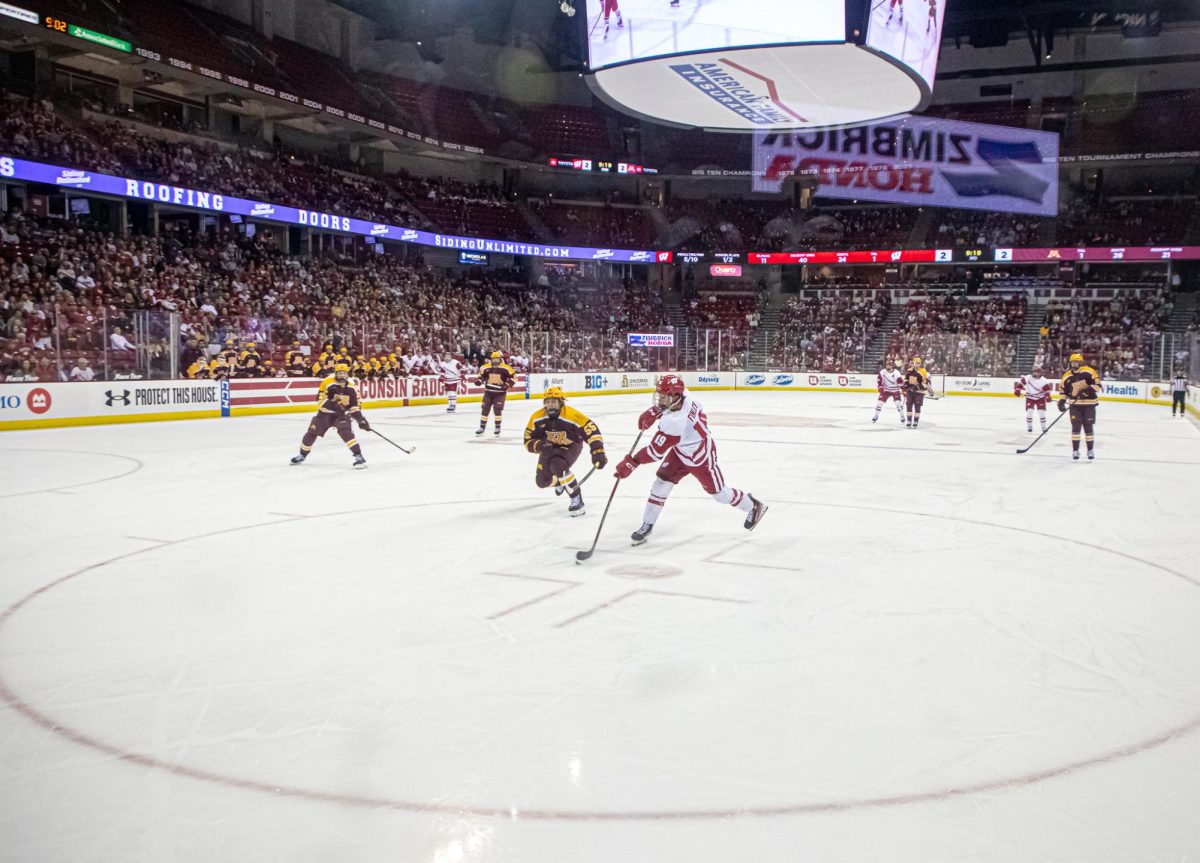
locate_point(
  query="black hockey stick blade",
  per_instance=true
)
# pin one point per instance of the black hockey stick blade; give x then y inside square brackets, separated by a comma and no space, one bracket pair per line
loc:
[408,450]
[1024,450]
[581,556]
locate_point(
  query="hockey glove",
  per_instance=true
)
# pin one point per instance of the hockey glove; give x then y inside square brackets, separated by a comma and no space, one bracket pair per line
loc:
[649,417]
[625,467]
[1062,406]
[535,444]
[364,425]
[599,459]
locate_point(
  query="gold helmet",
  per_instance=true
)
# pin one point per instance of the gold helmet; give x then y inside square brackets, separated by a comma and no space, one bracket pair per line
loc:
[1076,358]
[553,400]
[341,369]
[916,361]
[495,355]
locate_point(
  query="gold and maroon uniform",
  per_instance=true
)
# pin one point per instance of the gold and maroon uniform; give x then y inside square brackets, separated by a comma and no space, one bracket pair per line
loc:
[338,403]
[496,377]
[1081,392]
[558,442]
[916,384]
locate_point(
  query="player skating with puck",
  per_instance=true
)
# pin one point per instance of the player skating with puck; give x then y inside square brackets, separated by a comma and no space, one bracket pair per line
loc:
[684,446]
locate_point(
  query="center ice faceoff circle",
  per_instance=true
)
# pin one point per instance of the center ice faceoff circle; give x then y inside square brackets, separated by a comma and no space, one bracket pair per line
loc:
[576,691]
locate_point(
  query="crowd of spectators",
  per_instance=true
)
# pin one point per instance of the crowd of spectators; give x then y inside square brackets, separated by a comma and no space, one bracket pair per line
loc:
[830,332]
[957,334]
[1117,336]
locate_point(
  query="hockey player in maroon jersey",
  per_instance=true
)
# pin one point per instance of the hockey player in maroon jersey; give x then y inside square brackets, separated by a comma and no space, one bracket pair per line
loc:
[338,404]
[685,446]
[496,377]
[892,10]
[1037,390]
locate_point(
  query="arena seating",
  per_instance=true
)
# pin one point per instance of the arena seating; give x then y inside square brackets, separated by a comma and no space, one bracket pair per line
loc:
[828,333]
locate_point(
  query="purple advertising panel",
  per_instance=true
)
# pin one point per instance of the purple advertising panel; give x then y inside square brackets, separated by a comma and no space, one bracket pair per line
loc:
[921,161]
[180,196]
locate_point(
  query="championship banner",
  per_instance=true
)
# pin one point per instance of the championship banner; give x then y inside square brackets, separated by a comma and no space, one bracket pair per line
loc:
[921,161]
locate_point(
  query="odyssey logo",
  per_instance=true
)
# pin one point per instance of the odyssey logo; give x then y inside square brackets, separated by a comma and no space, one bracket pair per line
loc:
[378,230]
[409,234]
[73,178]
[602,253]
[111,398]
[755,380]
[708,379]
[264,210]
[783,380]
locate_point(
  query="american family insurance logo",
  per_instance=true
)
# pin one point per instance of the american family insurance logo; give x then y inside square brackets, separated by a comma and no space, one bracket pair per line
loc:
[752,96]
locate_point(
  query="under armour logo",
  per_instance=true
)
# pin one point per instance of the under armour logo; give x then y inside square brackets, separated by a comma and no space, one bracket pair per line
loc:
[111,398]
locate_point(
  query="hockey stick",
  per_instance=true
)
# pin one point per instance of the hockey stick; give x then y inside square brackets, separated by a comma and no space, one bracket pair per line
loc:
[593,30]
[581,556]
[558,489]
[1043,434]
[393,443]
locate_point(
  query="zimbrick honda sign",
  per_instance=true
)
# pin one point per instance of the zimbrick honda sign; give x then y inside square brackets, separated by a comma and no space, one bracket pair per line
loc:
[919,160]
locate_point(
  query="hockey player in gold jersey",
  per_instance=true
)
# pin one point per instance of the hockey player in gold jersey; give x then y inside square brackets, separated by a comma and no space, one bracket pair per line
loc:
[556,433]
[1081,394]
[338,403]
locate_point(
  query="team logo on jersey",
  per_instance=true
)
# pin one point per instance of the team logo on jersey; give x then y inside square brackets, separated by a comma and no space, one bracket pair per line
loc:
[755,380]
[782,380]
[111,398]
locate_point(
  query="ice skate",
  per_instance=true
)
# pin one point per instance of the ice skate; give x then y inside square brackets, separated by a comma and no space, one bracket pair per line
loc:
[639,535]
[576,507]
[756,514]
[359,462]
[299,459]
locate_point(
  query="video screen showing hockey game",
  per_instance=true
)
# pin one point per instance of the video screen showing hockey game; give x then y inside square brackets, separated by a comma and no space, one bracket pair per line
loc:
[622,31]
[910,31]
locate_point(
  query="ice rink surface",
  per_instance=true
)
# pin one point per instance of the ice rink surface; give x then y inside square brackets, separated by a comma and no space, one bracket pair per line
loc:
[931,649]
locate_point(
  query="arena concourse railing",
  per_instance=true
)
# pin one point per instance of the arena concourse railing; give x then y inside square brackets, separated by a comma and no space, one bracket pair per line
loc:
[84,342]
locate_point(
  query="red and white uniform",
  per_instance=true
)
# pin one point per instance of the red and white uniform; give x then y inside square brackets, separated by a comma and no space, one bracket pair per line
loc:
[685,446]
[1036,389]
[451,371]
[890,383]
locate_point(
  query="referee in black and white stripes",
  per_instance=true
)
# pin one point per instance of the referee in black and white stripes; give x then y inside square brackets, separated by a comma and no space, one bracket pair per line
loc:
[1179,385]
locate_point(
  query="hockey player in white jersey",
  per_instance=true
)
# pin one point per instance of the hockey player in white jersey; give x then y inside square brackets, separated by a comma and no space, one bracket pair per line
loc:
[684,446]
[1037,391]
[890,382]
[451,371]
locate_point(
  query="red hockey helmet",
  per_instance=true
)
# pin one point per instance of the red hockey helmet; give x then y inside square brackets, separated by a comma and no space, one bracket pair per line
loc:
[668,391]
